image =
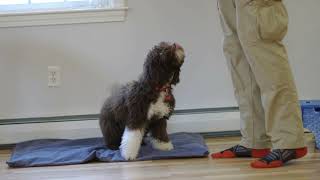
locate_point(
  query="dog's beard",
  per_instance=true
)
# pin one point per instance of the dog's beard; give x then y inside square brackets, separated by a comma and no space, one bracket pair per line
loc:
[171,79]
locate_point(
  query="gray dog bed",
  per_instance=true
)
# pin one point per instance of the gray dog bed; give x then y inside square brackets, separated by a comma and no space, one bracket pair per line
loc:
[52,152]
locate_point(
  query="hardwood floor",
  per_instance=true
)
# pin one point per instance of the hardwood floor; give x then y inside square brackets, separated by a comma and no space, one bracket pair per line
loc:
[200,168]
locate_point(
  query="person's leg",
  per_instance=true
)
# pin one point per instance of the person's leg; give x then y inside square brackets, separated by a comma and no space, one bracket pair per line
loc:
[246,90]
[261,26]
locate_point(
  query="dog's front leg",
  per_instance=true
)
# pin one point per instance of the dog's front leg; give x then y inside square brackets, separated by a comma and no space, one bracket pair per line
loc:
[159,136]
[131,142]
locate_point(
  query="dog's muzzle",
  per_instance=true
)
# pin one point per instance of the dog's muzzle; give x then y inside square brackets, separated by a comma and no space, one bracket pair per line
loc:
[179,51]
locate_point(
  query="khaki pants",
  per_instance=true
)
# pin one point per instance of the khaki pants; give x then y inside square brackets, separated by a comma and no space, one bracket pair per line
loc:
[263,82]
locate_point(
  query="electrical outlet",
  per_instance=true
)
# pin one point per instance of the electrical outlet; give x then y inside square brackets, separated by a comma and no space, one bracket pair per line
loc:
[54,76]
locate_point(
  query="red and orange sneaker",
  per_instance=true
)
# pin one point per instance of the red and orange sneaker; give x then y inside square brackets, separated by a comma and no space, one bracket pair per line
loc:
[239,151]
[279,157]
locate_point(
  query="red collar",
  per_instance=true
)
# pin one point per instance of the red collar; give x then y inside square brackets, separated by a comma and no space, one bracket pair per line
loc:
[168,90]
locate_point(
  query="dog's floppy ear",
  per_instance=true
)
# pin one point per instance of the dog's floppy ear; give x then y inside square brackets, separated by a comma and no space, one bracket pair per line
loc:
[154,70]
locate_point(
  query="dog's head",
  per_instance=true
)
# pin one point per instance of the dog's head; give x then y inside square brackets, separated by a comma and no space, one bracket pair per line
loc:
[163,63]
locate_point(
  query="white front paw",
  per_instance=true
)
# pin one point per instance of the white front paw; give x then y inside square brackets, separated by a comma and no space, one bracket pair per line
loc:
[130,143]
[160,145]
[128,155]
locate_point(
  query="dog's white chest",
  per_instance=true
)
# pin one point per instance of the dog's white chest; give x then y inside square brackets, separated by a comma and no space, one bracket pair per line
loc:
[160,108]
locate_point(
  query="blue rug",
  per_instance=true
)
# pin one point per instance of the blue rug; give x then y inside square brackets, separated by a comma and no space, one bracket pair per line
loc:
[53,152]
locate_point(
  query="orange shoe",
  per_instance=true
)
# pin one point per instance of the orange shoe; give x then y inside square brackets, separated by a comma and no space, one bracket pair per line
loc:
[279,157]
[239,151]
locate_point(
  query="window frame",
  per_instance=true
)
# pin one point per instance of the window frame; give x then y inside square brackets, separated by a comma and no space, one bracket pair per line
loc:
[64,16]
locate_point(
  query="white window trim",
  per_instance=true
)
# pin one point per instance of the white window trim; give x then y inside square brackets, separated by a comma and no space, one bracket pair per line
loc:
[59,17]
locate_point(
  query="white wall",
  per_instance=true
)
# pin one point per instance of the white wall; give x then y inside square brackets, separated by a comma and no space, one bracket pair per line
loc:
[94,56]
[303,42]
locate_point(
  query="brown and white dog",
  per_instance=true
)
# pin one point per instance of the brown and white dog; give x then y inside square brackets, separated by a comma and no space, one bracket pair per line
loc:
[145,105]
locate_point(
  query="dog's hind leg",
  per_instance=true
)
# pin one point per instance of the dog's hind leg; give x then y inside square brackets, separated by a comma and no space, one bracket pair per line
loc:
[111,130]
[113,137]
[131,142]
[159,136]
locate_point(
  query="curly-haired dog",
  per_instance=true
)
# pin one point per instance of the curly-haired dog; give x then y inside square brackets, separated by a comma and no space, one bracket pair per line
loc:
[144,105]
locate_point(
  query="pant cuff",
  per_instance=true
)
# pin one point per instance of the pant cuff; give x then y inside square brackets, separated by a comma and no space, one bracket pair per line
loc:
[300,143]
[256,144]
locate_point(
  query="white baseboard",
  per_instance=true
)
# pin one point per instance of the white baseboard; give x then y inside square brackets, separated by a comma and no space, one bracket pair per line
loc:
[200,123]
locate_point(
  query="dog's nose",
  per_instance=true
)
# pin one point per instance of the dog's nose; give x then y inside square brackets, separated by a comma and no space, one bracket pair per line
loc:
[177,46]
